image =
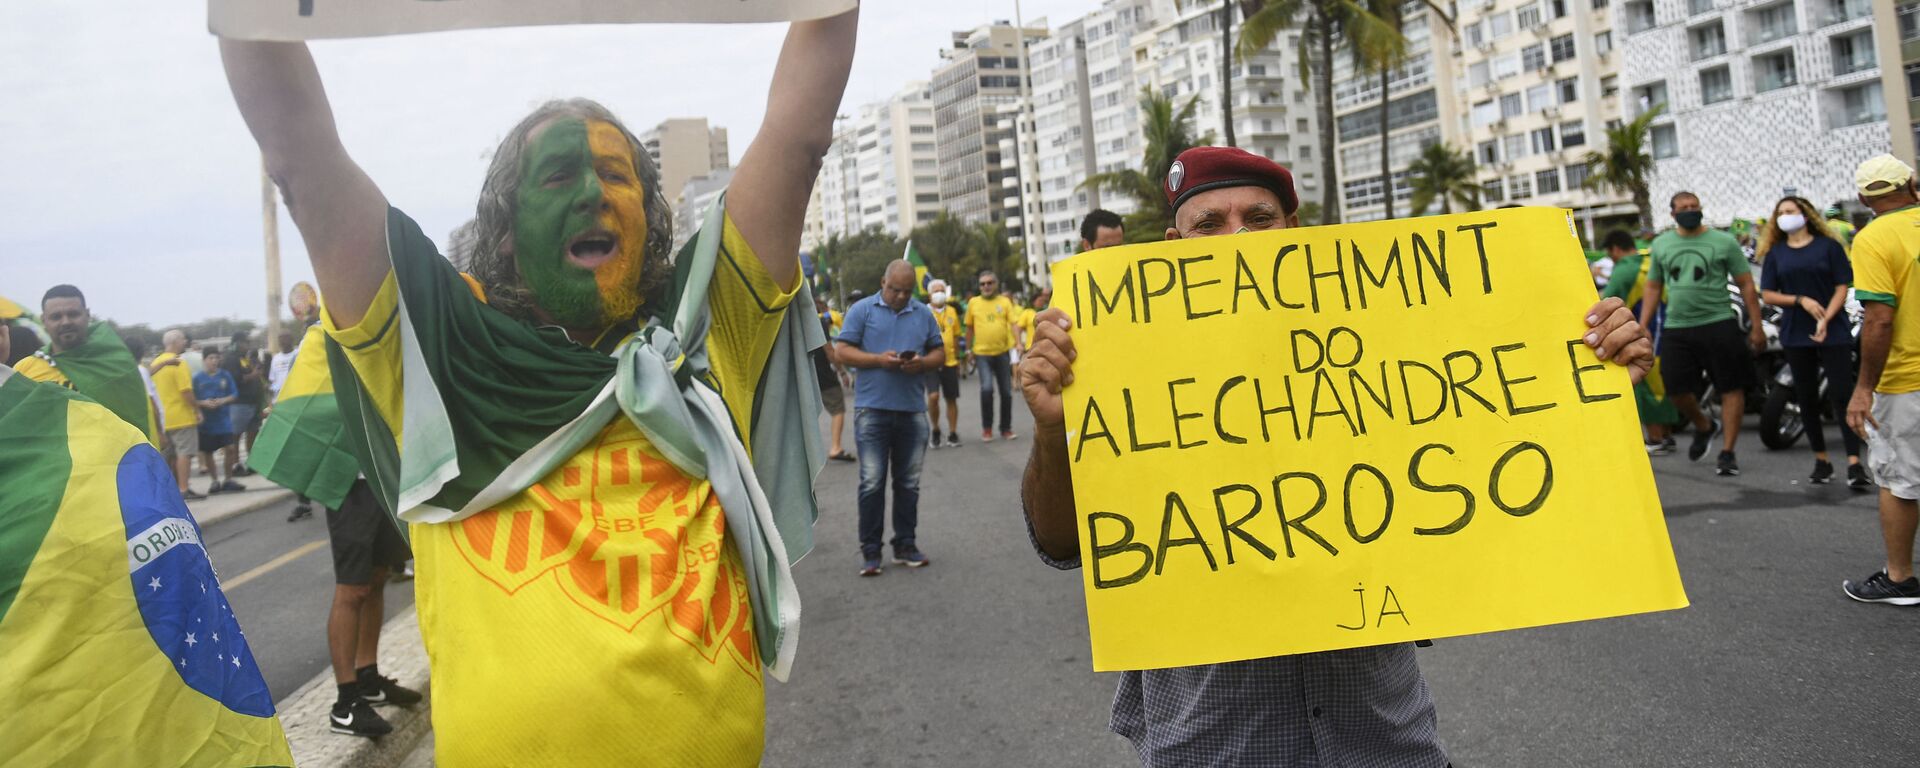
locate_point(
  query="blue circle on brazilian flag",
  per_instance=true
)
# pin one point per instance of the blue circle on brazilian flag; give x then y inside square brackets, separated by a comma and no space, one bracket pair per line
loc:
[179,596]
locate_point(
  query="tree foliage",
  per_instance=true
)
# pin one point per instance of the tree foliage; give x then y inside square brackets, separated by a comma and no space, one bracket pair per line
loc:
[1626,165]
[1446,175]
[1167,131]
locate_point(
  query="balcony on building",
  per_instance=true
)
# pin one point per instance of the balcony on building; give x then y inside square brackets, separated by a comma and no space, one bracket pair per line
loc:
[1769,23]
[1773,71]
[1854,105]
[1828,12]
[1707,40]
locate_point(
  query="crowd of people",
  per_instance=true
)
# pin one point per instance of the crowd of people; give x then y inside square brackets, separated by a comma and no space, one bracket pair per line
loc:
[609,450]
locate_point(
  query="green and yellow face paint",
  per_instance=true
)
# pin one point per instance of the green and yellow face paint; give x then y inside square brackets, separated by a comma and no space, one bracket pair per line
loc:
[580,223]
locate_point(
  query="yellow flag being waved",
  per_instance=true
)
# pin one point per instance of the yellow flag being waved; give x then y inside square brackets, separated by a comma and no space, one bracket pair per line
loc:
[117,646]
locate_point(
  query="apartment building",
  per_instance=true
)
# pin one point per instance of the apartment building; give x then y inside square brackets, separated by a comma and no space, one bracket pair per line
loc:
[1542,86]
[1423,108]
[685,147]
[696,197]
[839,186]
[980,75]
[1085,121]
[1179,56]
[1764,97]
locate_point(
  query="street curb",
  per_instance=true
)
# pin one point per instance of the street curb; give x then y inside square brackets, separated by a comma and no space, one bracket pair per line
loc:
[259,502]
[303,714]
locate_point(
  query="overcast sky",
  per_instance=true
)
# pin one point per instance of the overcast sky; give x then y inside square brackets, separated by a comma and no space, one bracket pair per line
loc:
[125,169]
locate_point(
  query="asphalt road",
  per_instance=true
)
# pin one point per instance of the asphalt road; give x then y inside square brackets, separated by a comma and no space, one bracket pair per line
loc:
[981,659]
[279,578]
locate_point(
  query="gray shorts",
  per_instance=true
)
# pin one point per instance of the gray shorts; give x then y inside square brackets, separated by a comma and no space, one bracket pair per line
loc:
[185,440]
[1893,449]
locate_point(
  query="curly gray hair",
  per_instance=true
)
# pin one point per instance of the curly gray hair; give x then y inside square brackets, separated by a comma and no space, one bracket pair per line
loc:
[477,247]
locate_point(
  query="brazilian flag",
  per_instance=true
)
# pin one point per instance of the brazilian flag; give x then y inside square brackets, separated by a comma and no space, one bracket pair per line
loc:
[301,445]
[921,277]
[102,368]
[117,646]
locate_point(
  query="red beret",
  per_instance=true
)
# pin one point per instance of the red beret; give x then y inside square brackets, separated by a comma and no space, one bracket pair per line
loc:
[1202,168]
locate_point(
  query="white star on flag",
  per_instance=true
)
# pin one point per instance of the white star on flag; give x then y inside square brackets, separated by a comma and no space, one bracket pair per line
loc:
[190,640]
[219,657]
[154,584]
[216,637]
[183,662]
[236,662]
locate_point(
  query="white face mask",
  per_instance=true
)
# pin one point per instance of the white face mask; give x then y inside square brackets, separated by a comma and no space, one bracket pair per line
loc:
[939,298]
[1791,223]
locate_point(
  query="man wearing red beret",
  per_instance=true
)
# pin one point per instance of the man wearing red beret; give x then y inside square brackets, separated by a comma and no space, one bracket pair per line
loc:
[1358,706]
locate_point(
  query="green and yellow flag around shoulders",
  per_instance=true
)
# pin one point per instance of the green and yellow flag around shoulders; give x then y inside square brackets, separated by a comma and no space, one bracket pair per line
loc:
[302,444]
[117,645]
[103,369]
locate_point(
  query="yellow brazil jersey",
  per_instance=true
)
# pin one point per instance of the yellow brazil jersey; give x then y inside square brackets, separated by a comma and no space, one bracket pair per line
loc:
[170,382]
[949,321]
[601,616]
[39,368]
[1884,271]
[1026,327]
[991,321]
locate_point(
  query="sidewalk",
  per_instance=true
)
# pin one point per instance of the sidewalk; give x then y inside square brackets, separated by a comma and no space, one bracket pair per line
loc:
[260,493]
[303,713]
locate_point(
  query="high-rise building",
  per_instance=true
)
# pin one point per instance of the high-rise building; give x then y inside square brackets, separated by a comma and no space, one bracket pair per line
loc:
[839,184]
[685,147]
[1179,57]
[1542,86]
[971,89]
[895,161]
[696,196]
[1422,109]
[1085,121]
[1762,97]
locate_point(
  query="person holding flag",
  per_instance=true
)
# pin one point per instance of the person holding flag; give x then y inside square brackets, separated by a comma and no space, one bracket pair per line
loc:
[606,455]
[90,358]
[120,647]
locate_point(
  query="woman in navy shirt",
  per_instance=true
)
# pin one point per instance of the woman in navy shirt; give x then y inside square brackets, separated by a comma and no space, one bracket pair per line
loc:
[1805,269]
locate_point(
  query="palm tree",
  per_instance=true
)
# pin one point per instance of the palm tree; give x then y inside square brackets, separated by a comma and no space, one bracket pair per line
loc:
[1168,131]
[1445,174]
[1626,164]
[1330,24]
[1384,52]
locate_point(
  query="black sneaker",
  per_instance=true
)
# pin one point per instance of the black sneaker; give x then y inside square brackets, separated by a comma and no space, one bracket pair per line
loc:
[953,439]
[1662,448]
[1822,472]
[1726,466]
[1857,478]
[1701,439]
[934,441]
[909,556]
[301,512]
[192,495]
[380,689]
[358,719]
[1880,589]
[231,487]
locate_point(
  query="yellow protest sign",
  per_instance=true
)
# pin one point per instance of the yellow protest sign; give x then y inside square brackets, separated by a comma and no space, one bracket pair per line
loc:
[1302,440]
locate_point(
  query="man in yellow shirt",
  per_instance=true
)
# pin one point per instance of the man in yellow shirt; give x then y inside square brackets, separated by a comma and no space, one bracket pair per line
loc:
[991,319]
[944,382]
[180,410]
[1886,399]
[602,577]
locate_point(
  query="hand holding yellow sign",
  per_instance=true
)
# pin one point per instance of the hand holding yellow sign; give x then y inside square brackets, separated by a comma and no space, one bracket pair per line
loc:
[1309,439]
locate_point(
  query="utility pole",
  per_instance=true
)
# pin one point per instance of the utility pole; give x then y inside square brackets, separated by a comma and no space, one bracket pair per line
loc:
[270,225]
[1030,220]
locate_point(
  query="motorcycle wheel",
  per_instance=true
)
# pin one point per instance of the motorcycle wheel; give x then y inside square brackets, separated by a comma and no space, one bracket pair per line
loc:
[1780,423]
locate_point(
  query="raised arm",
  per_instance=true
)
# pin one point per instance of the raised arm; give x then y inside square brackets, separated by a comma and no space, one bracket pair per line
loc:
[768,197]
[341,214]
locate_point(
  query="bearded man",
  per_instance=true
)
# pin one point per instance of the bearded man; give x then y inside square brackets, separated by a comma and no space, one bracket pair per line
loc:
[602,574]
[88,357]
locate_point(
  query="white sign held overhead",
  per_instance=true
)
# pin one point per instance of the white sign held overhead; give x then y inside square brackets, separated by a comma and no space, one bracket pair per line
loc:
[318,19]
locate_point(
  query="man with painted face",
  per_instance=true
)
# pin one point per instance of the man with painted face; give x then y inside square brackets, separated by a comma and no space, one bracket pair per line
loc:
[1360,706]
[607,453]
[1702,341]
[88,357]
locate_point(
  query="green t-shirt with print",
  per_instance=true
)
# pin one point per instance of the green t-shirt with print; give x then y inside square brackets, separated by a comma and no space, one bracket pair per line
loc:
[1693,272]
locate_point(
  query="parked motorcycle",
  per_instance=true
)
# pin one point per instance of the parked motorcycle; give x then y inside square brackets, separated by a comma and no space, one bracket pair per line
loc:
[1781,424]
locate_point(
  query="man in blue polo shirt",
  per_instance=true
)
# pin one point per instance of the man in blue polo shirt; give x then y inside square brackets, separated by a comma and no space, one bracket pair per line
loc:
[896,341]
